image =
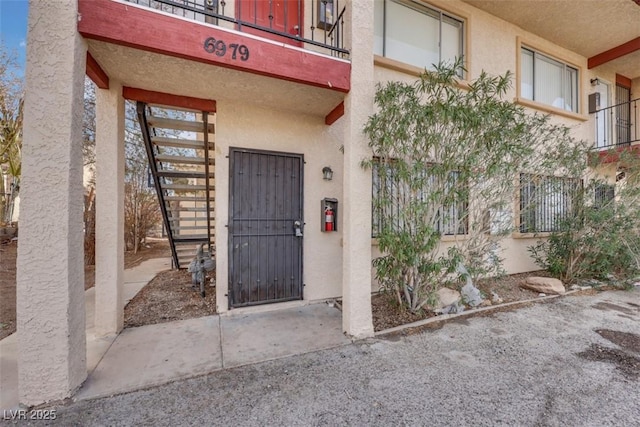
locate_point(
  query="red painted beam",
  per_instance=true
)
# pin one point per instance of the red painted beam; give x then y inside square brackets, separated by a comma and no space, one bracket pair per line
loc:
[96,73]
[168,99]
[335,114]
[133,26]
[616,52]
[623,81]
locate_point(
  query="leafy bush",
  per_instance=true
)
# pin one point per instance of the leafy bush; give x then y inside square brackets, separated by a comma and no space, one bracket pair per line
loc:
[602,240]
[445,161]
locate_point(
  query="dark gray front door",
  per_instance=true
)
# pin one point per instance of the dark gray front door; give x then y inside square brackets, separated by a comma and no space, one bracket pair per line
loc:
[265,206]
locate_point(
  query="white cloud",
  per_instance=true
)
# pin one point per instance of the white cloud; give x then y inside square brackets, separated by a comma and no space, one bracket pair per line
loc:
[23,43]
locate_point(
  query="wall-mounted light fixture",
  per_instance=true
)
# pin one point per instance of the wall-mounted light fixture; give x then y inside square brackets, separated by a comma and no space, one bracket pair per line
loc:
[595,82]
[327,173]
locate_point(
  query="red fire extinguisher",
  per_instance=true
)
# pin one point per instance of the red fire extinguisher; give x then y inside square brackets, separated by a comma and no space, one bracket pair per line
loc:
[328,218]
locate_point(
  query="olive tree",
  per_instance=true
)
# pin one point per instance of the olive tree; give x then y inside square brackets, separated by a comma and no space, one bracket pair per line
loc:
[446,160]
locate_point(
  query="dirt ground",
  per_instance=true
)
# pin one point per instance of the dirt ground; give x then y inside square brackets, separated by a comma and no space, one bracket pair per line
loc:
[8,253]
[387,314]
[168,297]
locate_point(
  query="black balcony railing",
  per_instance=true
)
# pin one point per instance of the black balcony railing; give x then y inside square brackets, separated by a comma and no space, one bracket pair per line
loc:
[283,20]
[617,126]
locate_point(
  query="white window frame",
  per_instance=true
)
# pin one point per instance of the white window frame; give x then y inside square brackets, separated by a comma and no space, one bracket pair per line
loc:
[427,9]
[566,69]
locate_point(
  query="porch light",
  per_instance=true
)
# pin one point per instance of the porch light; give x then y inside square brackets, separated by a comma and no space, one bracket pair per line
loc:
[327,173]
[595,82]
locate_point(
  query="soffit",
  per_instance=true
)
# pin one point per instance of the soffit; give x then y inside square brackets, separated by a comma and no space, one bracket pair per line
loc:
[162,73]
[587,27]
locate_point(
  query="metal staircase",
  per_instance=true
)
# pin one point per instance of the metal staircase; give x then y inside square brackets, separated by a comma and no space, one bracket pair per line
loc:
[178,143]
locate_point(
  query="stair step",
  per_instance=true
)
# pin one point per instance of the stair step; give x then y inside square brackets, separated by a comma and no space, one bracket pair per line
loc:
[180,142]
[186,187]
[185,199]
[183,174]
[189,126]
[190,236]
[185,160]
[183,219]
[185,241]
[182,250]
[188,209]
[189,227]
[174,108]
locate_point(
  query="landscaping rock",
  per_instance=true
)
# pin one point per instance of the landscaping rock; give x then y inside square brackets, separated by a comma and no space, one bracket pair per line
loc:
[471,295]
[447,297]
[545,285]
[454,308]
[495,298]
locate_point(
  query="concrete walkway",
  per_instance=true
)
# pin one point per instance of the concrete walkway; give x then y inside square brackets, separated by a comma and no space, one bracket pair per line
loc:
[548,364]
[150,355]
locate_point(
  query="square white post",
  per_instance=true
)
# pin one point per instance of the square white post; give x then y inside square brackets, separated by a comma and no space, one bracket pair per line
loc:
[50,282]
[109,307]
[356,264]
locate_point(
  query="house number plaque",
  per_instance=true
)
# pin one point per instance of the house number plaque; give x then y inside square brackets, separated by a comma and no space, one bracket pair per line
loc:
[220,48]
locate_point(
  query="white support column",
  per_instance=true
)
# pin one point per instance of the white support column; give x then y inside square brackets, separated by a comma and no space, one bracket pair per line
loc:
[356,265]
[50,295]
[109,210]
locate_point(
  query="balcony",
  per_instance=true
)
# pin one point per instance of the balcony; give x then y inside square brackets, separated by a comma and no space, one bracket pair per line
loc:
[290,57]
[616,129]
[316,25]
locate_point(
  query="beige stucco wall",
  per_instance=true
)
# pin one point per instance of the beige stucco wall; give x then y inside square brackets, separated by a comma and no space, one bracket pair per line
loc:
[239,124]
[50,265]
[492,46]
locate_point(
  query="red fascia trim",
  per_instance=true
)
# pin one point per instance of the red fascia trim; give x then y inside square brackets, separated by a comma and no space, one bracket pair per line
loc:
[612,157]
[135,27]
[335,114]
[159,98]
[616,52]
[96,73]
[623,81]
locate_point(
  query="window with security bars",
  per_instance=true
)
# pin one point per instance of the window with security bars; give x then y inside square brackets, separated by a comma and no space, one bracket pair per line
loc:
[603,195]
[546,201]
[451,218]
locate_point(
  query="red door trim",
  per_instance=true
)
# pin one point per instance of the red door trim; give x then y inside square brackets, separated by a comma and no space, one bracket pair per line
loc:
[623,81]
[160,98]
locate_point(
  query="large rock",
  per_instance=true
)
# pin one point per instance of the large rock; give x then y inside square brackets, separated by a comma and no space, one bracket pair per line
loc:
[471,295]
[447,297]
[545,285]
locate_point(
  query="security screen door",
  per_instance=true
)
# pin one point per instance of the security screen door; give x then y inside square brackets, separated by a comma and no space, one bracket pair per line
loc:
[265,227]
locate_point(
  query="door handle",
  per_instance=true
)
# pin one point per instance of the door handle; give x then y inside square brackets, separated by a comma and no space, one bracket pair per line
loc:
[297,226]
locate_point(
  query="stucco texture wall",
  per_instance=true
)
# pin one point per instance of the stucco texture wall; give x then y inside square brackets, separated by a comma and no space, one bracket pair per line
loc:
[492,46]
[50,273]
[239,124]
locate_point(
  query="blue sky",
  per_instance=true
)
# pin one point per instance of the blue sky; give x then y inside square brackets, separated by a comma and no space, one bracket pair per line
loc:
[13,28]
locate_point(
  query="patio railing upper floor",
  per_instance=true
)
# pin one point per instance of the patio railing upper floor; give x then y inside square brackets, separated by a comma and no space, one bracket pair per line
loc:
[617,125]
[316,25]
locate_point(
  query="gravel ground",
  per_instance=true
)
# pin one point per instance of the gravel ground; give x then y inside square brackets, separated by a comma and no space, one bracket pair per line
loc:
[539,365]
